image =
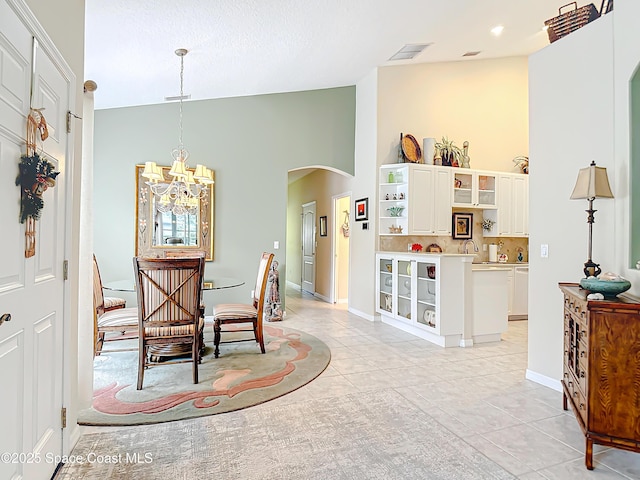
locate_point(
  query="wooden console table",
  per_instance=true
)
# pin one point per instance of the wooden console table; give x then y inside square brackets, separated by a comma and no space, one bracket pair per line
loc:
[601,378]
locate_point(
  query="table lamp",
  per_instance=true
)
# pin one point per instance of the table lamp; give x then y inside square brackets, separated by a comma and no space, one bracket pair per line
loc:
[592,183]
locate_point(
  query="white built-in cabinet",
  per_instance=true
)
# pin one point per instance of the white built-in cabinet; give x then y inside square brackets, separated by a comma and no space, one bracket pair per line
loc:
[511,218]
[423,294]
[423,196]
[423,192]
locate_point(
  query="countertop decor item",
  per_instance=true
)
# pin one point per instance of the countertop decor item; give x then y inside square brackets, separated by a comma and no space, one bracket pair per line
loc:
[416,247]
[609,284]
[592,183]
[434,248]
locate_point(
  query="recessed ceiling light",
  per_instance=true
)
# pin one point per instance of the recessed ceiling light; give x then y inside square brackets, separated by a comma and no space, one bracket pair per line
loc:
[497,30]
[409,51]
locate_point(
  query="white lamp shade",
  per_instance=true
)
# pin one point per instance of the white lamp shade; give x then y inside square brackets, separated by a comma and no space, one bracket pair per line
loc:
[201,172]
[178,170]
[592,182]
[208,180]
[151,171]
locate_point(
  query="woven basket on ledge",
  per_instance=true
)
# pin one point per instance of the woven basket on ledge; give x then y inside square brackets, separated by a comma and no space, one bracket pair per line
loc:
[567,22]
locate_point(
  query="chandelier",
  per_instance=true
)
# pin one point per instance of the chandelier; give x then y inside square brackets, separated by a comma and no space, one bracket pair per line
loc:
[181,195]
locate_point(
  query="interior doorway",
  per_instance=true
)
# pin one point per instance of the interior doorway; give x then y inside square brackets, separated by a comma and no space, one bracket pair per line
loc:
[340,247]
[308,280]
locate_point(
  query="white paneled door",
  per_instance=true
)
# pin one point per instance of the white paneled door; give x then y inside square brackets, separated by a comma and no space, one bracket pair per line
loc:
[32,290]
[309,247]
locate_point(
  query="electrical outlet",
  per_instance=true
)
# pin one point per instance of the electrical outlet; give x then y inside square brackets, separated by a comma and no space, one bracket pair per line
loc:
[484,247]
[276,245]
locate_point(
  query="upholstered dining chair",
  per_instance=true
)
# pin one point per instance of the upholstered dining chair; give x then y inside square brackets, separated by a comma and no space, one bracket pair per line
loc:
[108,303]
[170,318]
[234,313]
[110,315]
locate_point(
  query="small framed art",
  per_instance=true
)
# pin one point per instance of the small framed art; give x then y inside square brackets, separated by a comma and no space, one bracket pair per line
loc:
[462,226]
[362,209]
[323,226]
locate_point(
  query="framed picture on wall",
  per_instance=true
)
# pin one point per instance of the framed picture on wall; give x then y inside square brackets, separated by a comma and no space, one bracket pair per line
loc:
[462,226]
[362,209]
[323,226]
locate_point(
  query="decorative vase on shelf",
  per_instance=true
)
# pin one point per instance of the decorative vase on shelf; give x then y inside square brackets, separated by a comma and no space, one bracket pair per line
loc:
[391,178]
[465,161]
[429,150]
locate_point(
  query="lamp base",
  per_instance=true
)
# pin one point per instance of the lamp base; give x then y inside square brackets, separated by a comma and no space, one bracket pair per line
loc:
[591,269]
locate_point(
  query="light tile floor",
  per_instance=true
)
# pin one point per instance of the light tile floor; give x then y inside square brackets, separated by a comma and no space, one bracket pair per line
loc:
[479,393]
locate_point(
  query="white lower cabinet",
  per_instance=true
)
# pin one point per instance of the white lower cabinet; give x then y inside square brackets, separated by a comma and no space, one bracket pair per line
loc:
[424,294]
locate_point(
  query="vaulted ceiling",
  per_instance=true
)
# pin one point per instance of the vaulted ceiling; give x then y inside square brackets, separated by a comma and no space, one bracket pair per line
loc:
[249,47]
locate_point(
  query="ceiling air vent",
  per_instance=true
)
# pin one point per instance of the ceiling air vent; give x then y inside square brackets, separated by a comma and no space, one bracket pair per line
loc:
[471,54]
[409,51]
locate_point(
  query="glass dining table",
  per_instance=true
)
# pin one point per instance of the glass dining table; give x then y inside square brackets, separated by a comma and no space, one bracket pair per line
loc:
[208,284]
[163,352]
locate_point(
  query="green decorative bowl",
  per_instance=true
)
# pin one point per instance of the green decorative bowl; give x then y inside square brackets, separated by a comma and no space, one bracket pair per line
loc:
[608,288]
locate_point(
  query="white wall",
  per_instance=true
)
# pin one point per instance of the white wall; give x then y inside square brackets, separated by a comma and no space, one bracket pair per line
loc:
[481,101]
[571,120]
[363,242]
[627,60]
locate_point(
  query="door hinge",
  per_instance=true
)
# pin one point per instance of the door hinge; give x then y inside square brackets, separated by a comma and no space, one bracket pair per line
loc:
[63,417]
[65,270]
[69,115]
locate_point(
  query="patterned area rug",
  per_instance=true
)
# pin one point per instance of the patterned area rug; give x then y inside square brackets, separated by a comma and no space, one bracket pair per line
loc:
[239,378]
[371,435]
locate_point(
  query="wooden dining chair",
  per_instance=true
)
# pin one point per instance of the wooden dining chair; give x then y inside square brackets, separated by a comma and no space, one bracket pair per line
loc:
[108,303]
[169,314]
[234,313]
[110,315]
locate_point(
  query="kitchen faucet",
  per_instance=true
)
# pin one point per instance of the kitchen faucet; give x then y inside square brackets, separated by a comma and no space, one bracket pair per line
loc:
[466,244]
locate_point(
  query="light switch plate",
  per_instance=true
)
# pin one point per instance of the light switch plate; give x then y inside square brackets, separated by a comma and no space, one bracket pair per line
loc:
[276,245]
[544,250]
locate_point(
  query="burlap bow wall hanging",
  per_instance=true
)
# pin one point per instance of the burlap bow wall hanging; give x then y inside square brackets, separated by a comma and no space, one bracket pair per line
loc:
[36,174]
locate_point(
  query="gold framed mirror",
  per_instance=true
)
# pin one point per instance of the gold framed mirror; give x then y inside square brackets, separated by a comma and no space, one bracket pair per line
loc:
[163,231]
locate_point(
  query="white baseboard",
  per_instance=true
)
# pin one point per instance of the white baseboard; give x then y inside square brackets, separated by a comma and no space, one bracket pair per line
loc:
[295,286]
[544,380]
[366,316]
[322,297]
[343,300]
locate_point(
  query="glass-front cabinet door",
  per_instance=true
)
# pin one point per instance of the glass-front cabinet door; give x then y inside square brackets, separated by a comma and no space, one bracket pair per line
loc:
[474,189]
[405,287]
[426,290]
[385,283]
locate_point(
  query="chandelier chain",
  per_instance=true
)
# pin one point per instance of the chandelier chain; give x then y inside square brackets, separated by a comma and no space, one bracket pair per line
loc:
[181,97]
